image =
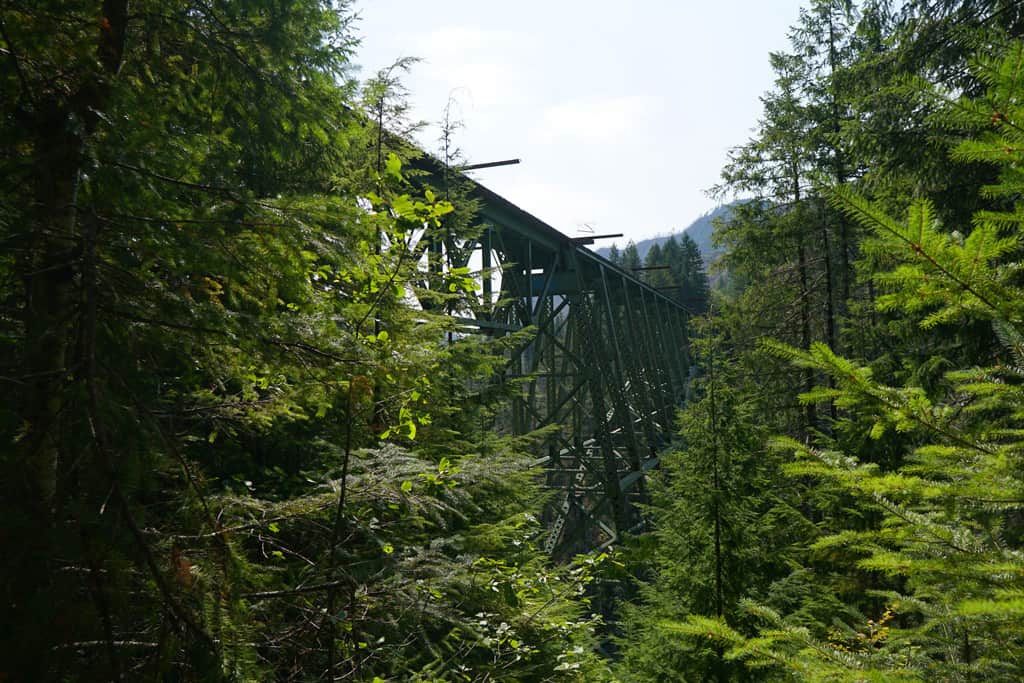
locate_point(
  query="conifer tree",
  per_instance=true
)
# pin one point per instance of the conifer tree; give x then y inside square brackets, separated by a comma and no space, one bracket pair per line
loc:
[947,531]
[695,292]
[614,255]
[658,274]
[672,256]
[631,258]
[237,451]
[769,239]
[713,513]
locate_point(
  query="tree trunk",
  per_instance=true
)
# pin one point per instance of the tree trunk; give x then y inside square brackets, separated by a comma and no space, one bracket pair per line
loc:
[811,413]
[59,121]
[830,317]
[49,307]
[839,170]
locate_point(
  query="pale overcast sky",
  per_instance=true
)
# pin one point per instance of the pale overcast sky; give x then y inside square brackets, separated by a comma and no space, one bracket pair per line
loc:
[622,113]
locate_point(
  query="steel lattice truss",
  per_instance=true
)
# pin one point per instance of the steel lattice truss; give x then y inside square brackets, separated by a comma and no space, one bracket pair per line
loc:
[607,363]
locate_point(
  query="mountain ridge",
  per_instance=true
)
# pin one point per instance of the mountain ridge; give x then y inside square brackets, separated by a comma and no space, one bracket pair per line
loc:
[700,230]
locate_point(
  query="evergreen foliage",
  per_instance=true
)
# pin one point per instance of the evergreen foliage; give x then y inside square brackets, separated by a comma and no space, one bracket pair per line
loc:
[630,258]
[708,511]
[902,501]
[237,448]
[677,269]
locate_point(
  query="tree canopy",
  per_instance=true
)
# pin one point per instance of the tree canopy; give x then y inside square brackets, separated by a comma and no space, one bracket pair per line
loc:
[236,449]
[871,324]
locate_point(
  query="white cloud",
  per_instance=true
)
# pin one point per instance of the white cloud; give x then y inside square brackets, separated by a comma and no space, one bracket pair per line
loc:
[597,120]
[461,61]
[459,41]
[478,85]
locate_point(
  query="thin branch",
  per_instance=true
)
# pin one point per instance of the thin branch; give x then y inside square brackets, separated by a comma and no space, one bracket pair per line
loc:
[229,192]
[252,525]
[16,62]
[266,595]
[87,644]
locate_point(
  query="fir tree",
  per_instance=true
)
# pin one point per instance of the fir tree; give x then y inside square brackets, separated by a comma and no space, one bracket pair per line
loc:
[713,514]
[695,293]
[657,274]
[631,258]
[614,255]
[947,530]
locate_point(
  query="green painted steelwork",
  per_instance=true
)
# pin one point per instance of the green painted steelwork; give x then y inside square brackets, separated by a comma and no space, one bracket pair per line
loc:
[607,363]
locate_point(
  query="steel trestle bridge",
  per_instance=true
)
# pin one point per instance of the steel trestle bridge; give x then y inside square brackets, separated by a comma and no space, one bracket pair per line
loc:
[606,360]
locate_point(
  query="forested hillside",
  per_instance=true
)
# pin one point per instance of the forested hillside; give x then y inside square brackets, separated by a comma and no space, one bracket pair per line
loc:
[245,438]
[701,231]
[674,267]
